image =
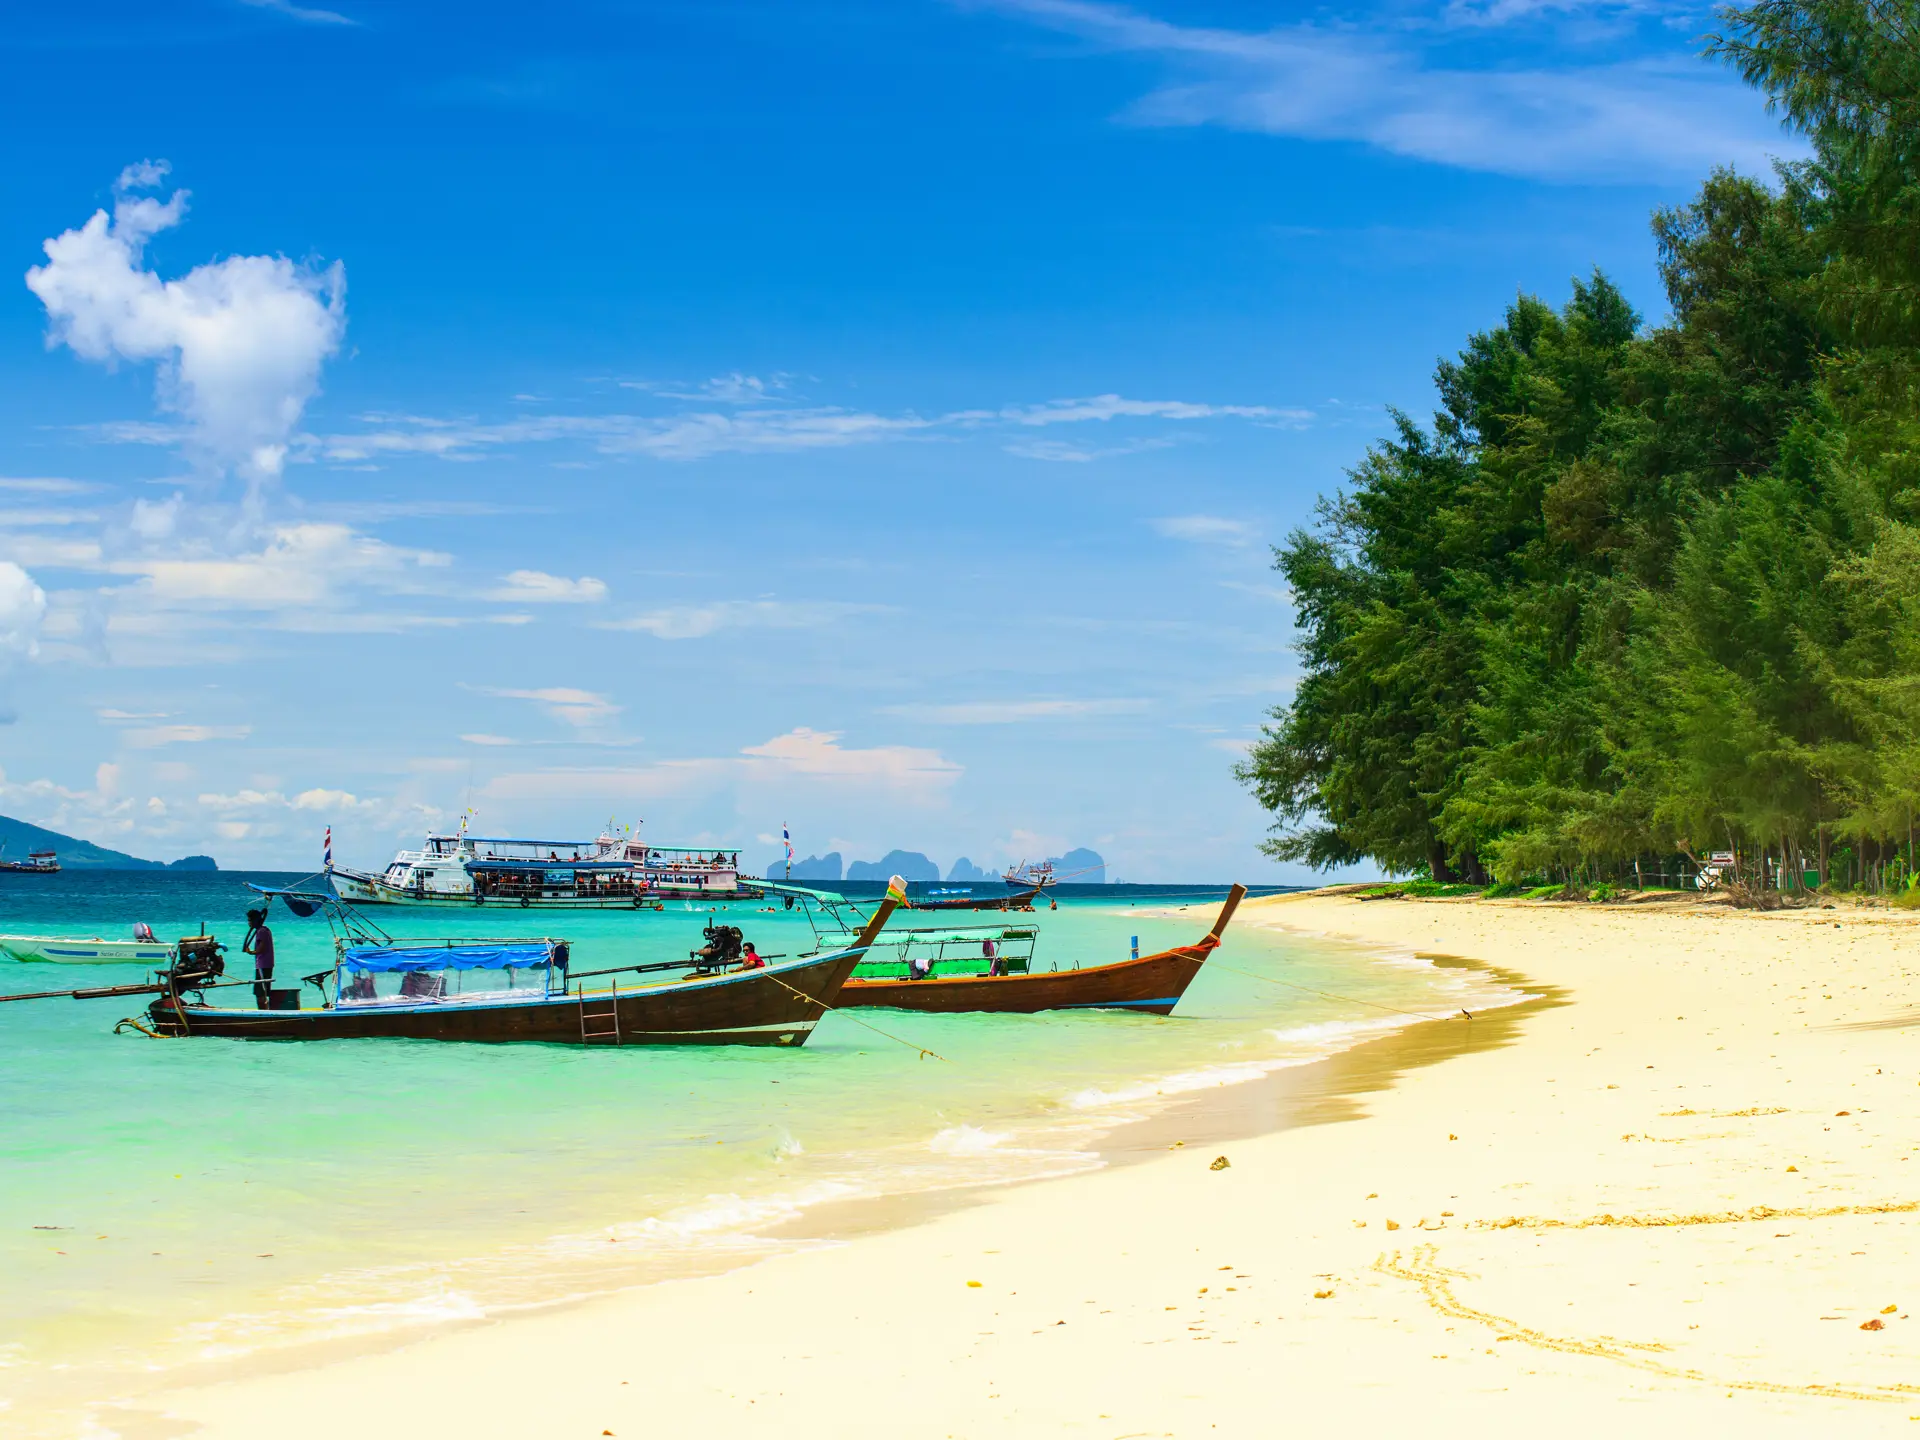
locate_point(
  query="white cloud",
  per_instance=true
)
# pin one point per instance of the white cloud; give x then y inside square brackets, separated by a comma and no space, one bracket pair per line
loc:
[1061,452]
[1115,407]
[243,800]
[1623,121]
[1504,12]
[696,435]
[693,437]
[536,587]
[481,739]
[330,800]
[803,756]
[301,12]
[43,485]
[300,565]
[1011,712]
[152,737]
[1207,529]
[732,388]
[1279,594]
[23,605]
[691,622]
[32,519]
[238,342]
[581,708]
[805,751]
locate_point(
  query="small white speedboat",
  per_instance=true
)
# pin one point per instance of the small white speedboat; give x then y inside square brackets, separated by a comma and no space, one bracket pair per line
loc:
[85,950]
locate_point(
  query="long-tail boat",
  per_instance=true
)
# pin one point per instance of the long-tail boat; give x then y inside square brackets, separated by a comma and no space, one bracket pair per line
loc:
[1023,901]
[1149,983]
[503,990]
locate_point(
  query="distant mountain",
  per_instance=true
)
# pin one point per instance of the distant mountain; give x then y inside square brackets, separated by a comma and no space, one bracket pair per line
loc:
[907,864]
[965,869]
[1065,867]
[17,838]
[814,867]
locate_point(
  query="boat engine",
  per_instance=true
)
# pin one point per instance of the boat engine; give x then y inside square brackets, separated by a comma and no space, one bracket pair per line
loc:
[196,962]
[722,948]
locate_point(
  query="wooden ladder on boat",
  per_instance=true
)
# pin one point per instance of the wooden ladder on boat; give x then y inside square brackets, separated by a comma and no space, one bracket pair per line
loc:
[601,1026]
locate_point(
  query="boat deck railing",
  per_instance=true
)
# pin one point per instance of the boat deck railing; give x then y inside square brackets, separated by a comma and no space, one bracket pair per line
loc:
[950,952]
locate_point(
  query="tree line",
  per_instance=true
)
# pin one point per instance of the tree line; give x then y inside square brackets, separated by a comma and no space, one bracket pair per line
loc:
[1644,591]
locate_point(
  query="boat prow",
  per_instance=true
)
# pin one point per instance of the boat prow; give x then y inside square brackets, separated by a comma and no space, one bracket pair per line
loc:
[1151,984]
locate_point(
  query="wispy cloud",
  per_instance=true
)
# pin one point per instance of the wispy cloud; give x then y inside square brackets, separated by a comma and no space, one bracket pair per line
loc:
[692,622]
[302,13]
[1207,529]
[1115,407]
[1279,594]
[536,587]
[802,757]
[581,708]
[748,426]
[1014,712]
[1390,88]
[730,389]
[44,485]
[1061,452]
[152,737]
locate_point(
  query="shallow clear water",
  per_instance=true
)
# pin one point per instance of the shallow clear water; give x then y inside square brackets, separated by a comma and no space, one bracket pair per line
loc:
[170,1202]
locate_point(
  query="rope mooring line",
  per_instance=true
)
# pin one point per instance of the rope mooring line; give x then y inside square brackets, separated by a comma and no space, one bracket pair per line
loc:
[815,1000]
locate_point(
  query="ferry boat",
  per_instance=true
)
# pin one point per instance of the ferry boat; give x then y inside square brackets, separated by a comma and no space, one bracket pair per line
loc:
[38,862]
[612,872]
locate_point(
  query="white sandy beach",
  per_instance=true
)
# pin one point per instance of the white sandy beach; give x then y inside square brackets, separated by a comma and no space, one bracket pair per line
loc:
[1672,1201]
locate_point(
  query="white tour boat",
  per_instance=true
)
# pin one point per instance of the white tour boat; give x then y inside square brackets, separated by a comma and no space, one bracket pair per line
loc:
[613,872]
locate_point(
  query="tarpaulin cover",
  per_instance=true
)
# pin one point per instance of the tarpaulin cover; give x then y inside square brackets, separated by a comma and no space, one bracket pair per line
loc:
[443,957]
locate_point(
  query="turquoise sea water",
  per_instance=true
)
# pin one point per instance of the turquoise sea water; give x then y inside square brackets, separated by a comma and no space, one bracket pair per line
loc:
[180,1203]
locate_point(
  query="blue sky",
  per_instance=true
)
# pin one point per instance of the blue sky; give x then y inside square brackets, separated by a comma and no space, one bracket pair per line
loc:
[873,417]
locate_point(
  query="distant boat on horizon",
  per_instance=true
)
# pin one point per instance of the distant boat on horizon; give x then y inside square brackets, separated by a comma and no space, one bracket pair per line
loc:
[611,872]
[38,862]
[1029,877]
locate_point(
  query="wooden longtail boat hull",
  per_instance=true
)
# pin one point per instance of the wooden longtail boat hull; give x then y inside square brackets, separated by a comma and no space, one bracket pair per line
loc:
[777,1006]
[1001,902]
[1153,984]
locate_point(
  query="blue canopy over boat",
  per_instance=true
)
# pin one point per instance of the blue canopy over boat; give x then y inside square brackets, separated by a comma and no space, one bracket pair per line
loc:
[482,955]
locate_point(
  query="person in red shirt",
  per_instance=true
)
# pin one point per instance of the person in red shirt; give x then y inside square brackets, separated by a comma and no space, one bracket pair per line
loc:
[751,959]
[259,944]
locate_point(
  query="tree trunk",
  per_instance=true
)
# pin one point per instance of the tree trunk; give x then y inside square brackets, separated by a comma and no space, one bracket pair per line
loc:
[1471,867]
[1437,864]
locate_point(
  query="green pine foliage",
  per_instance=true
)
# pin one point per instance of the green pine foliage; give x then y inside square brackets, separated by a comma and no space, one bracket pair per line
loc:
[1645,590]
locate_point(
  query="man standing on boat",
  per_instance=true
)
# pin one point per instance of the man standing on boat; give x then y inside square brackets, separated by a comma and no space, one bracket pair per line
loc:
[259,944]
